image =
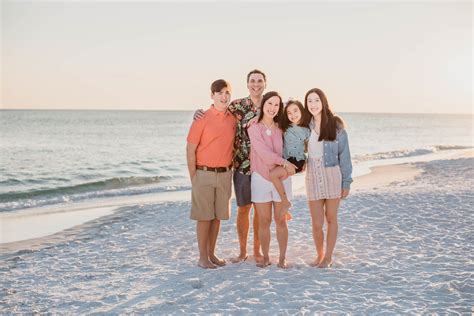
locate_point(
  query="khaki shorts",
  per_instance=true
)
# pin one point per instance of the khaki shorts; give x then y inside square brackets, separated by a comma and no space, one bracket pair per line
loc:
[211,193]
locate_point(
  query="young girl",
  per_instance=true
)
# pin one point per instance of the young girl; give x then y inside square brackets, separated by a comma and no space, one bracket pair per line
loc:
[296,134]
[328,173]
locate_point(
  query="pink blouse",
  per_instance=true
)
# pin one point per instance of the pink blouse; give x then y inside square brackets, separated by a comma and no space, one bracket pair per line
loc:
[266,151]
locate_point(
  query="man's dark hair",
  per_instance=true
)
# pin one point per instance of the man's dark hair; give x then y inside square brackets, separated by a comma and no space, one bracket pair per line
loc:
[256,71]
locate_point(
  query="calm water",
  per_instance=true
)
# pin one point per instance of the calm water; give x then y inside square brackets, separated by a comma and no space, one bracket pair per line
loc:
[49,157]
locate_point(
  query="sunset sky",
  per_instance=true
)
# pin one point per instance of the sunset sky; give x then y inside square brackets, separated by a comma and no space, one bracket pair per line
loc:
[376,56]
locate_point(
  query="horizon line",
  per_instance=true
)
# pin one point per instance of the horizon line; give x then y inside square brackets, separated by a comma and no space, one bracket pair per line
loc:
[181,110]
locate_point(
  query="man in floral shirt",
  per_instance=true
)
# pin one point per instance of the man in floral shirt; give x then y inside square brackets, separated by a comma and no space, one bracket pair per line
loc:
[245,110]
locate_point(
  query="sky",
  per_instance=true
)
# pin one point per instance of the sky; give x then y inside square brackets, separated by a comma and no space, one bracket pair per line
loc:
[377,56]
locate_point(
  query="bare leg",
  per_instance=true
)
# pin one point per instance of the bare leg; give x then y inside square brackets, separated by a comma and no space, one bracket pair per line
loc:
[282,233]
[256,240]
[202,231]
[265,219]
[243,226]
[331,217]
[317,221]
[277,175]
[211,245]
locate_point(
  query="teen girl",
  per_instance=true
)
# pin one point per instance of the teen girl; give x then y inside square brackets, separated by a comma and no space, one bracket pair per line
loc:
[328,173]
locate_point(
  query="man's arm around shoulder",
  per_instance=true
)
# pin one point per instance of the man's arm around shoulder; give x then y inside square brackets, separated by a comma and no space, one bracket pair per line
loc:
[198,114]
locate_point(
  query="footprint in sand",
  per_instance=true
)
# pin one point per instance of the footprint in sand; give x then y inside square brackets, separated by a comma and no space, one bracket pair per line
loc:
[196,283]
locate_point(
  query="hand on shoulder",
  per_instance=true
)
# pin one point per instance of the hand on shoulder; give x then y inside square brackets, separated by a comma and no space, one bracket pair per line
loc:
[252,121]
[199,114]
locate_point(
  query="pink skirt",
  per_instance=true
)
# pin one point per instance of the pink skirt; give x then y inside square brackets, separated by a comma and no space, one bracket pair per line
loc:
[322,182]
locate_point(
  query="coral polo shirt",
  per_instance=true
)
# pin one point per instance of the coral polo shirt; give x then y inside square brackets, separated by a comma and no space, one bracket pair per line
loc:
[214,136]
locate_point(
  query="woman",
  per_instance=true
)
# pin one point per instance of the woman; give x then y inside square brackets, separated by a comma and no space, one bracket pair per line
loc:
[266,153]
[328,175]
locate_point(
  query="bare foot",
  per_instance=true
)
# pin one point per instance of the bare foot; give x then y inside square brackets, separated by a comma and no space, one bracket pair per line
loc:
[258,257]
[282,264]
[284,211]
[217,261]
[206,264]
[239,259]
[264,263]
[316,261]
[326,263]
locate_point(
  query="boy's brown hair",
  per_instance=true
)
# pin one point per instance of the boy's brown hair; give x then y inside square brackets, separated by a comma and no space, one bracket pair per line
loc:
[220,84]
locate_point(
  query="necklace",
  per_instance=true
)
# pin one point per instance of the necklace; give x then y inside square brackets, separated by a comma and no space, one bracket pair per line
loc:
[268,131]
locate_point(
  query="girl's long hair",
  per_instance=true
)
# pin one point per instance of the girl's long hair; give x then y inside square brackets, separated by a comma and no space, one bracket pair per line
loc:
[285,121]
[265,98]
[330,122]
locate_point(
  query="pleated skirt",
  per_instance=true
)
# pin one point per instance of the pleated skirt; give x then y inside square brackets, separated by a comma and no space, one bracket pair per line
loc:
[322,182]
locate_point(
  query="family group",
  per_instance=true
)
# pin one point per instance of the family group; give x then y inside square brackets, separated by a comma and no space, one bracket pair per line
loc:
[258,143]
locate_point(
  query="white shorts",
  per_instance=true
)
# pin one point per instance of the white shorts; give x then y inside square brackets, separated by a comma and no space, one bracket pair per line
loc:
[264,190]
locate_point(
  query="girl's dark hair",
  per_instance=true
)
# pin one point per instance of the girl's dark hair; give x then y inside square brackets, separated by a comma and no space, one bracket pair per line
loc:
[285,121]
[330,123]
[265,98]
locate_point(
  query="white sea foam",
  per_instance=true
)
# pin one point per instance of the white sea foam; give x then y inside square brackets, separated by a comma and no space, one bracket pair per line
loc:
[406,153]
[404,249]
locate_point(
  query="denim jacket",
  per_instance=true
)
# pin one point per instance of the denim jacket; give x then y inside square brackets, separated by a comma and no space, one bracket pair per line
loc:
[294,142]
[337,153]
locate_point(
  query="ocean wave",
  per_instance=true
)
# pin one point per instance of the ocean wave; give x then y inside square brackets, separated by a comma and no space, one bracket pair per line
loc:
[40,201]
[11,181]
[104,185]
[407,152]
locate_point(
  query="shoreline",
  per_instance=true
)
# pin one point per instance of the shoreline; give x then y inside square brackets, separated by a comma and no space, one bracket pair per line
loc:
[54,224]
[402,248]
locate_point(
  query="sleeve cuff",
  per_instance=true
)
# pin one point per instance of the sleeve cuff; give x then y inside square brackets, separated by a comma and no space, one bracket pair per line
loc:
[346,184]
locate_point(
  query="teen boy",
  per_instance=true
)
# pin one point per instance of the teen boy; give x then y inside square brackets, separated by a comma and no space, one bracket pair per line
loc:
[245,110]
[209,154]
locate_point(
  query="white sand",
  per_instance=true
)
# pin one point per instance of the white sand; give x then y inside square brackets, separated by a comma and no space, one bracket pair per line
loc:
[405,246]
[385,175]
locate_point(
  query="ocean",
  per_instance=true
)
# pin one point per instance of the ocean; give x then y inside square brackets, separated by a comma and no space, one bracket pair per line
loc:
[50,157]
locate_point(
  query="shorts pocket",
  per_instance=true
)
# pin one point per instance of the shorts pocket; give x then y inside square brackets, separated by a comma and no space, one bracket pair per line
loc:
[193,179]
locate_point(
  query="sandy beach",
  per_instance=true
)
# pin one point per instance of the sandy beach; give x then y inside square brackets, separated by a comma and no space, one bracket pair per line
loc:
[405,246]
[106,106]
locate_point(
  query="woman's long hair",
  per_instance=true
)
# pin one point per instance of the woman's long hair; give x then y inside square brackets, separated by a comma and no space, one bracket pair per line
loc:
[329,121]
[285,121]
[265,98]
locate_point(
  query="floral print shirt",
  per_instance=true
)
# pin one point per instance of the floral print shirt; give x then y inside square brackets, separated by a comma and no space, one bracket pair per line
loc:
[244,110]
